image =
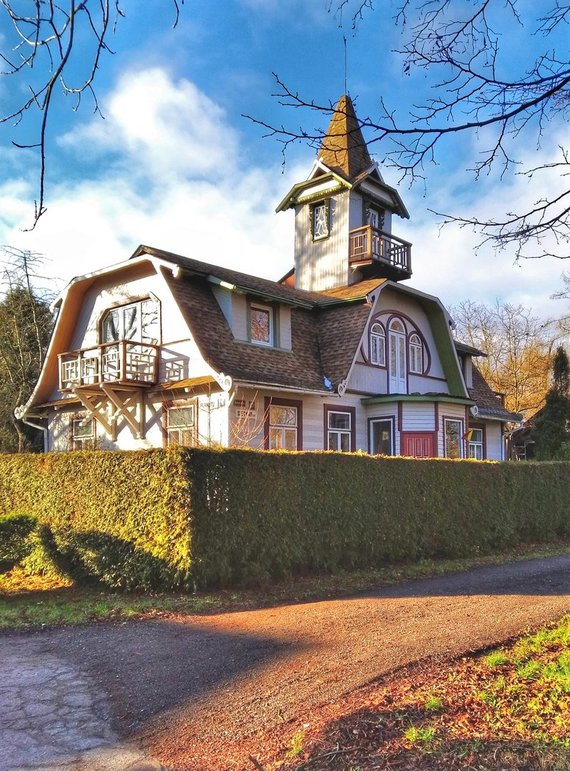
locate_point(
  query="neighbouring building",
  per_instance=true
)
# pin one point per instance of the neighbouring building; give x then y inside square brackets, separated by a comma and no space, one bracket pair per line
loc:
[339,354]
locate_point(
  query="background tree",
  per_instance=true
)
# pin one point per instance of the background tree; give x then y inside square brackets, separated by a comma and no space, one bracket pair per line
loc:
[506,104]
[518,347]
[551,431]
[25,327]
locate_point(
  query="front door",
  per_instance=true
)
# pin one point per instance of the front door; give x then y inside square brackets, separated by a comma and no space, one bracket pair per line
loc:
[420,445]
[397,361]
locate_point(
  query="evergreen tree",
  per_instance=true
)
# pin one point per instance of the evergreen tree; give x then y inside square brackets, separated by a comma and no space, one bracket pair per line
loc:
[25,327]
[552,426]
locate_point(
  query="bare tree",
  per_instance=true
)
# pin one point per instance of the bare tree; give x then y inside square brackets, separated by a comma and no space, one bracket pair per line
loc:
[518,347]
[462,50]
[42,43]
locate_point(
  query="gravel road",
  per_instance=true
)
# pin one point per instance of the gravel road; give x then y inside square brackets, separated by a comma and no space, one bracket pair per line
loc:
[201,692]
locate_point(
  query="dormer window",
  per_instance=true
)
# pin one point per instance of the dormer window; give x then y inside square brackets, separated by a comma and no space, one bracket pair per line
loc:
[138,322]
[377,345]
[261,324]
[320,220]
[416,354]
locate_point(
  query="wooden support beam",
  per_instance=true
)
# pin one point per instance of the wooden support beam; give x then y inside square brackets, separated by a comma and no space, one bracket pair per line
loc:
[94,404]
[128,403]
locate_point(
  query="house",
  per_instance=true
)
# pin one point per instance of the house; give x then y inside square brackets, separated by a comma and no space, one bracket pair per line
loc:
[339,354]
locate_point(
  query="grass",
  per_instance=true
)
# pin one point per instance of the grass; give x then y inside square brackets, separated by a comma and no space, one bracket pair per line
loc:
[510,714]
[36,601]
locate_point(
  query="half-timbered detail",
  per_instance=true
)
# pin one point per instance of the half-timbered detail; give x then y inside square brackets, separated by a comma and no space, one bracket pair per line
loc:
[341,354]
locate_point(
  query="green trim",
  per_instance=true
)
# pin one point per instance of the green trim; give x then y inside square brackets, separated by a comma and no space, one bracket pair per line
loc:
[292,197]
[416,398]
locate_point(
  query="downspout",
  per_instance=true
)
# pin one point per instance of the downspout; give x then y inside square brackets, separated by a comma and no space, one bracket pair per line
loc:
[19,415]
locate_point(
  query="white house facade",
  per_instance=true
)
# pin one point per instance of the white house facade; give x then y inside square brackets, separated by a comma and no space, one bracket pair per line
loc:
[339,354]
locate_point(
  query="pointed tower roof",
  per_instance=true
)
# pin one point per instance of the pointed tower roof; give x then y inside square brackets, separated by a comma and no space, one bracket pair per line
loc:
[343,149]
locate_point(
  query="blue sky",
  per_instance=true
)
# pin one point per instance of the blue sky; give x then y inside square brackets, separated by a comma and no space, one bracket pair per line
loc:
[175,165]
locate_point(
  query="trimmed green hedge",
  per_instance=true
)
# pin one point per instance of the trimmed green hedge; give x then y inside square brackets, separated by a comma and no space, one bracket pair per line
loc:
[118,517]
[15,531]
[258,515]
[220,517]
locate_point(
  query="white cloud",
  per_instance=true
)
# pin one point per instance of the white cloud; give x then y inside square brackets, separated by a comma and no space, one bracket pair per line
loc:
[165,127]
[176,182]
[177,179]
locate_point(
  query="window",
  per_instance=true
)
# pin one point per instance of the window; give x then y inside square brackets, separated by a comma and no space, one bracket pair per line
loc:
[375,217]
[139,322]
[476,445]
[82,433]
[416,354]
[261,324]
[382,436]
[181,425]
[320,220]
[283,424]
[453,438]
[397,342]
[377,345]
[340,428]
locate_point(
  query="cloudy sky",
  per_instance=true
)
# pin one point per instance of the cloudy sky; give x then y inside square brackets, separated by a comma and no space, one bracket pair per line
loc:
[174,164]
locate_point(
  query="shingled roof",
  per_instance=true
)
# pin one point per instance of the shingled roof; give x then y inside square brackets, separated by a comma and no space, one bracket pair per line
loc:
[343,149]
[487,401]
[325,334]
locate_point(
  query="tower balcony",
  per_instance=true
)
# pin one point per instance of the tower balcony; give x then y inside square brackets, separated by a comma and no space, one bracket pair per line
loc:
[122,362]
[380,253]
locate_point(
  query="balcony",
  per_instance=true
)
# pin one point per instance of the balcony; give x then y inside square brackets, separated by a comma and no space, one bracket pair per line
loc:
[123,362]
[369,246]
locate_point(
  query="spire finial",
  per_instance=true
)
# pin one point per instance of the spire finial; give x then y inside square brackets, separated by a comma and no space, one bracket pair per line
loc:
[345,65]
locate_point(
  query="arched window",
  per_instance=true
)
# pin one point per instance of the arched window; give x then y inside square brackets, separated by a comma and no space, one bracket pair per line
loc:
[416,354]
[377,345]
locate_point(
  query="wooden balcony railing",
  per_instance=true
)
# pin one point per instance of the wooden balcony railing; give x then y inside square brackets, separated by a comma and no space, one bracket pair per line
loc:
[123,361]
[369,243]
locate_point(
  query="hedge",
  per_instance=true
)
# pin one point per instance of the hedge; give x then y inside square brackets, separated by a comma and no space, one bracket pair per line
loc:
[258,515]
[225,517]
[118,517]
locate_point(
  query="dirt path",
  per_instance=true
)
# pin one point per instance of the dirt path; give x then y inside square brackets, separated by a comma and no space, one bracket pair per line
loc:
[205,692]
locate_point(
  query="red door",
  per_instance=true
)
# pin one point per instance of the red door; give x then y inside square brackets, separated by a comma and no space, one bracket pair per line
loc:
[418,445]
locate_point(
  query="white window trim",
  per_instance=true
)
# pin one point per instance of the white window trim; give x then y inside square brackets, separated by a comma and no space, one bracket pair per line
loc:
[271,312]
[380,337]
[192,426]
[326,206]
[416,353]
[339,432]
[477,444]
[283,427]
[84,442]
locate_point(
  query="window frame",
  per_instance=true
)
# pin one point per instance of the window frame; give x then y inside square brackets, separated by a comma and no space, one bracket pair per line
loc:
[479,443]
[415,350]
[136,303]
[325,204]
[270,310]
[169,430]
[379,336]
[271,401]
[460,422]
[397,345]
[391,419]
[83,442]
[351,432]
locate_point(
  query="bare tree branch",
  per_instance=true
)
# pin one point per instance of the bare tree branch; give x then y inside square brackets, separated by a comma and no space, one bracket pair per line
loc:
[41,48]
[459,47]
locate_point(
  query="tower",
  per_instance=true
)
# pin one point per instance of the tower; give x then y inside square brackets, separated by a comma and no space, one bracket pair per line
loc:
[343,213]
